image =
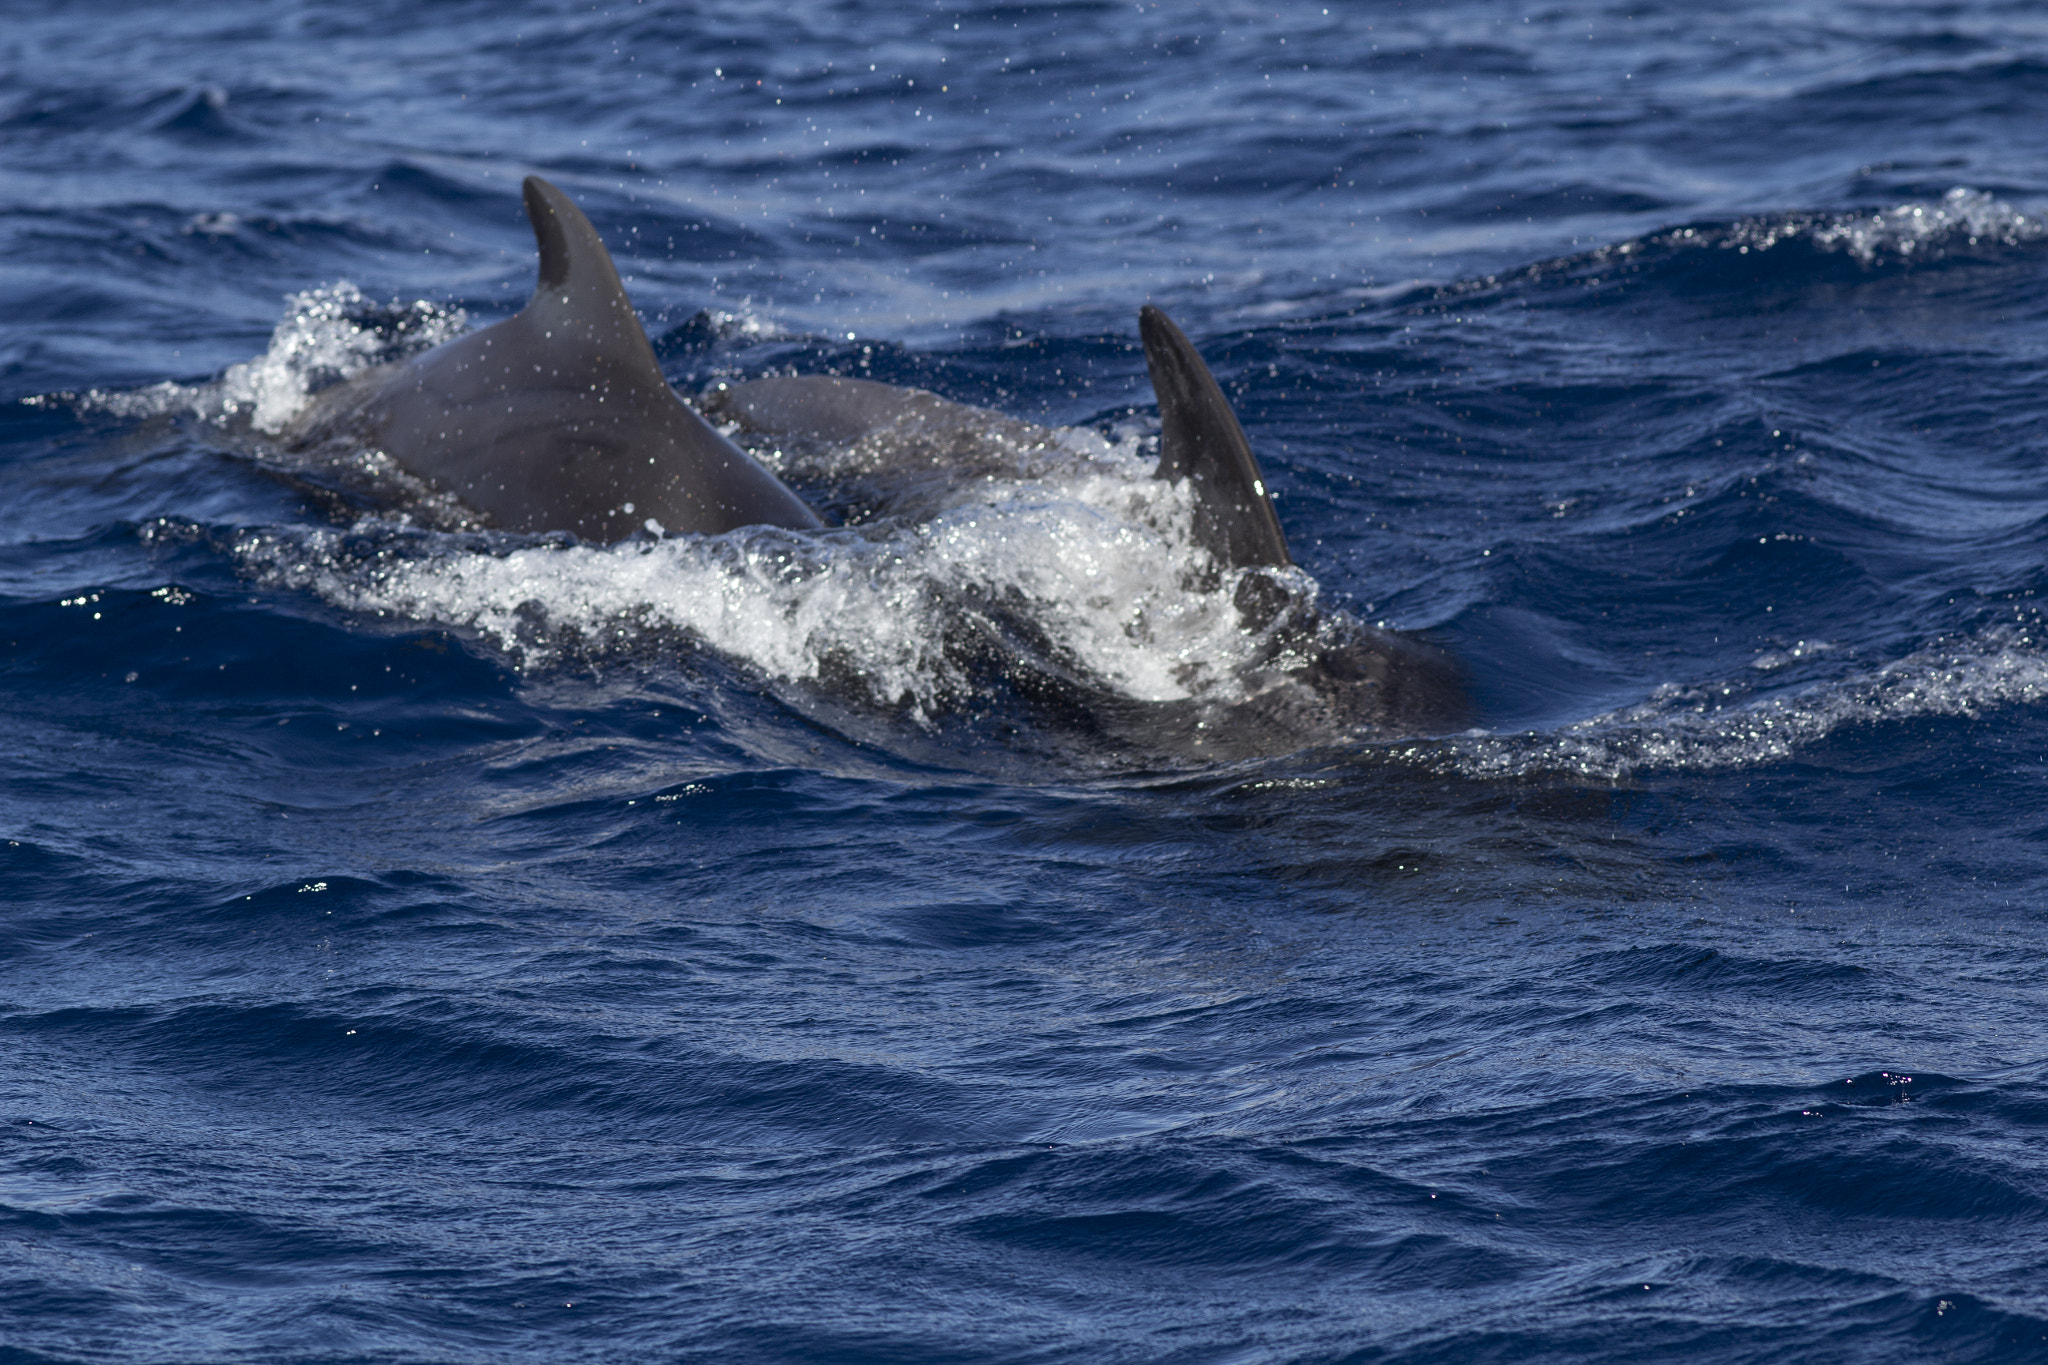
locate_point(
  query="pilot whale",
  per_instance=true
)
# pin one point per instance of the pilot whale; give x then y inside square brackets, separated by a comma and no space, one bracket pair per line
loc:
[559,419]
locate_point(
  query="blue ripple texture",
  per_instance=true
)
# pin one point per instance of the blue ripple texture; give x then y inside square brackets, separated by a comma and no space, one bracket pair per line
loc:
[404,960]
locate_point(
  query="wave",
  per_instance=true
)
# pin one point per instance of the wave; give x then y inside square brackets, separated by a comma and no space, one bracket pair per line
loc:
[1719,726]
[1963,224]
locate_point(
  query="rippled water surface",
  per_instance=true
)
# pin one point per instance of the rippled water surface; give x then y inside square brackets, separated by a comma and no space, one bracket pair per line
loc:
[421,943]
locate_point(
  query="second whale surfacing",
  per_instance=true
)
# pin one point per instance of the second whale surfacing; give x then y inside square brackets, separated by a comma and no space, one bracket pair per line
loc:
[559,419]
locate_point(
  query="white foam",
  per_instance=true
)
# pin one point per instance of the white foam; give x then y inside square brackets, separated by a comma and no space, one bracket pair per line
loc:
[1905,232]
[326,335]
[1712,728]
[1097,564]
[1962,219]
[1971,216]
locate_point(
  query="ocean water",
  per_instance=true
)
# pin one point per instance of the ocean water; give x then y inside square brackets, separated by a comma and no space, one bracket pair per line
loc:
[423,944]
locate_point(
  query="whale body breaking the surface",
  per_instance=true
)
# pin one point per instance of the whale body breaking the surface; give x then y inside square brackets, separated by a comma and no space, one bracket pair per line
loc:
[559,419]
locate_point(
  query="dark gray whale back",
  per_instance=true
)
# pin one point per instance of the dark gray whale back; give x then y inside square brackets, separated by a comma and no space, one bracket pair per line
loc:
[559,418]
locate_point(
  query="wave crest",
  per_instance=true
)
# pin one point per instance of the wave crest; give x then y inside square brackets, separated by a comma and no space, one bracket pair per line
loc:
[1693,728]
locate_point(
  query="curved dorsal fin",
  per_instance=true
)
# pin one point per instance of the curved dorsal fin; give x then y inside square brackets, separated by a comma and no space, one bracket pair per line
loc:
[1200,440]
[579,297]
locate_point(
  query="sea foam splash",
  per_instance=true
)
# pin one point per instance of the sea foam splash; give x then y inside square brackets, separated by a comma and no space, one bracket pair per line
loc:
[327,335]
[1962,221]
[1961,218]
[1093,564]
[1694,728]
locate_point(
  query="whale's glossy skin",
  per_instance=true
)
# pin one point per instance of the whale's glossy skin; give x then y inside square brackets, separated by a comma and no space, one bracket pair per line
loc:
[559,419]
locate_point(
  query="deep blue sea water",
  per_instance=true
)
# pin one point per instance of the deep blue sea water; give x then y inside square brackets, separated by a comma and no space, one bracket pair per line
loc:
[429,946]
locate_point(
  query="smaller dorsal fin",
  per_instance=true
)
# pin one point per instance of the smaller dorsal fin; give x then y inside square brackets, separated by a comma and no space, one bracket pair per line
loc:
[578,297]
[1200,440]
